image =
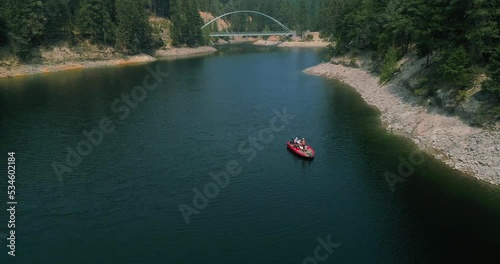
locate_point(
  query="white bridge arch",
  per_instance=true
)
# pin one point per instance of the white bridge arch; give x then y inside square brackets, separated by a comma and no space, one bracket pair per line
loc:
[286,32]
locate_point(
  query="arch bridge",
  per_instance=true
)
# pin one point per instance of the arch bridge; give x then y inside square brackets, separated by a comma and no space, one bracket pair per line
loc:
[286,31]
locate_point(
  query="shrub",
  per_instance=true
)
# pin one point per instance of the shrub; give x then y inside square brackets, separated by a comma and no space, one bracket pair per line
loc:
[389,65]
[420,92]
[309,37]
[331,51]
[492,85]
[353,63]
[462,95]
[457,68]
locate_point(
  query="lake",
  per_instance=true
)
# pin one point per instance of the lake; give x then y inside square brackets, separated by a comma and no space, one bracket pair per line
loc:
[193,168]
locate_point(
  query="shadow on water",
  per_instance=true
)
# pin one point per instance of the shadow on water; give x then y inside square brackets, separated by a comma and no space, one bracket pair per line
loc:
[454,216]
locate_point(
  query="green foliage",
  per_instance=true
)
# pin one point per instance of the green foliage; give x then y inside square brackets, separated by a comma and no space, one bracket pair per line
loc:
[420,92]
[285,38]
[331,51]
[457,68]
[59,17]
[302,17]
[266,29]
[353,63]
[133,31]
[25,23]
[492,85]
[494,113]
[94,21]
[389,66]
[461,95]
[3,26]
[186,24]
[309,37]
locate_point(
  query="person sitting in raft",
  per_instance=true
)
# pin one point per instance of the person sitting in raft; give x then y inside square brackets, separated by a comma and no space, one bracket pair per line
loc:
[300,145]
[296,141]
[303,144]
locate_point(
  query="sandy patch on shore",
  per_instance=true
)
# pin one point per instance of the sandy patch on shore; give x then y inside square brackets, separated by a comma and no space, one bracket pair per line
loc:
[312,44]
[184,52]
[475,151]
[292,44]
[262,42]
[316,42]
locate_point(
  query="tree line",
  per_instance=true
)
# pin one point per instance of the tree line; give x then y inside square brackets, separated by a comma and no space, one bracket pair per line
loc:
[124,24]
[462,35]
[27,24]
[31,23]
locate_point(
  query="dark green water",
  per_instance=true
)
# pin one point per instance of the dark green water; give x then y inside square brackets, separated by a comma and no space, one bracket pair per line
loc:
[121,204]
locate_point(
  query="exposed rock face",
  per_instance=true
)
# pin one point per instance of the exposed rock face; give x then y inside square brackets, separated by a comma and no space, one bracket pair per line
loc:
[469,149]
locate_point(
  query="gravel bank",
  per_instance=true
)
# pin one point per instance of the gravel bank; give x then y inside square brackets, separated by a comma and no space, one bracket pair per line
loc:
[290,44]
[298,44]
[262,42]
[472,150]
[65,62]
[23,70]
[184,52]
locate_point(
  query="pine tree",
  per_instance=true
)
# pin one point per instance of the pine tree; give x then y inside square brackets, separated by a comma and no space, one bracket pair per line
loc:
[457,68]
[390,64]
[195,22]
[493,84]
[178,20]
[3,26]
[302,17]
[187,23]
[93,20]
[25,24]
[58,19]
[133,31]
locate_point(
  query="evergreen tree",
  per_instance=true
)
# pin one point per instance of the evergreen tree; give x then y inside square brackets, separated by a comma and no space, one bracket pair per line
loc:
[94,21]
[493,84]
[302,17]
[3,26]
[25,24]
[457,68]
[483,29]
[58,19]
[187,23]
[133,31]
[178,23]
[390,64]
[195,22]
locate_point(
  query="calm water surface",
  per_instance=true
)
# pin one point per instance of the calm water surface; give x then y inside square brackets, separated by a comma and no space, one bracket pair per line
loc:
[120,205]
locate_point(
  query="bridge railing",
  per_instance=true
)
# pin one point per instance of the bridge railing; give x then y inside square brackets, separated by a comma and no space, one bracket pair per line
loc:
[228,34]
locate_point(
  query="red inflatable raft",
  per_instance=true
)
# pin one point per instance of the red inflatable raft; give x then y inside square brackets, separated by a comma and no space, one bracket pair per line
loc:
[307,153]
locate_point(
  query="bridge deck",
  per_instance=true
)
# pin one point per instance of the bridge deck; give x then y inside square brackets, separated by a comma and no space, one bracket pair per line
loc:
[250,34]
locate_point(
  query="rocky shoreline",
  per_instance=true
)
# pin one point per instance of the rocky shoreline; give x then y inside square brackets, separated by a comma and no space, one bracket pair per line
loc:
[292,44]
[75,64]
[24,70]
[184,52]
[475,151]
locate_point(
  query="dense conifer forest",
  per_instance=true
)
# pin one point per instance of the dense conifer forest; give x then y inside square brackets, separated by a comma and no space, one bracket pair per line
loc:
[459,38]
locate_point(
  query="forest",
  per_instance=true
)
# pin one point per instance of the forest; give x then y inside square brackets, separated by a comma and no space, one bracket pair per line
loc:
[459,38]
[124,23]
[462,36]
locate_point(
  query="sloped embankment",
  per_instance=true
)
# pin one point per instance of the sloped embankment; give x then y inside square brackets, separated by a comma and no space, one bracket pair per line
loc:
[468,149]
